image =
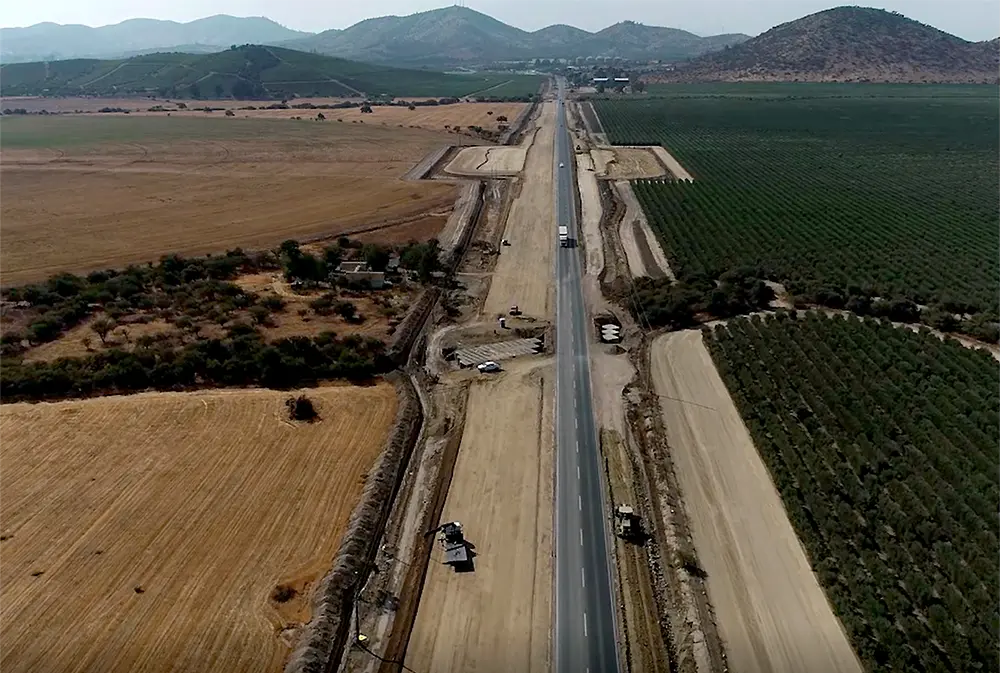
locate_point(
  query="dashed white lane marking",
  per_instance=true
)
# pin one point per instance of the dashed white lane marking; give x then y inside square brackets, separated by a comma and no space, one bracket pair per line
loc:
[575,422]
[581,537]
[579,503]
[582,578]
[585,615]
[579,471]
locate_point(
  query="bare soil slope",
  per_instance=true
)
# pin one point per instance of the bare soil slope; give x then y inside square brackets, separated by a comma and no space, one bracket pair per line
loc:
[83,193]
[148,533]
[496,618]
[771,612]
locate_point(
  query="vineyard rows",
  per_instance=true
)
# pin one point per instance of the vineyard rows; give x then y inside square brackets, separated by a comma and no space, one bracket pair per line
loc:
[884,446]
[896,198]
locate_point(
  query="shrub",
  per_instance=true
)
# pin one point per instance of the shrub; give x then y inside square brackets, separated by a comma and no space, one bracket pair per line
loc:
[301,409]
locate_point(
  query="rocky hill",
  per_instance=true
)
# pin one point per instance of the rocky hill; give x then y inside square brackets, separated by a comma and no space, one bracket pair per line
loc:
[459,35]
[52,41]
[849,44]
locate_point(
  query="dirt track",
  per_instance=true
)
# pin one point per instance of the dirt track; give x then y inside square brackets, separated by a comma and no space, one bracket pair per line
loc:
[771,613]
[497,618]
[524,271]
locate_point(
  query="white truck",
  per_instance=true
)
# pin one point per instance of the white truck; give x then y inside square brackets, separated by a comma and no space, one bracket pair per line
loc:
[565,240]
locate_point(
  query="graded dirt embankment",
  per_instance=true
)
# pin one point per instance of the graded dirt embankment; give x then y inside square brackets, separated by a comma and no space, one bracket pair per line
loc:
[524,271]
[771,613]
[497,618]
[644,253]
[176,532]
[626,163]
[487,161]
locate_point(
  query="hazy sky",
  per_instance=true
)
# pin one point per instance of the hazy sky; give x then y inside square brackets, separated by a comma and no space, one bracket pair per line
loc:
[970,19]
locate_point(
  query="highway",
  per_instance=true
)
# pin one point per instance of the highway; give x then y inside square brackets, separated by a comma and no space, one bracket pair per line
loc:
[585,631]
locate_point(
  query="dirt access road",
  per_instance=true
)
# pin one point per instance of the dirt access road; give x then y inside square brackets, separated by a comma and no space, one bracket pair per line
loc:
[497,618]
[524,271]
[771,612]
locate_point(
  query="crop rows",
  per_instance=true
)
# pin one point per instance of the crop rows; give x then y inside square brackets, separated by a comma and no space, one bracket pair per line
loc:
[895,198]
[884,446]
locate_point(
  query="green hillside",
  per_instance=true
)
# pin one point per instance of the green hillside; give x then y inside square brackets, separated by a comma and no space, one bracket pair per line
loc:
[250,71]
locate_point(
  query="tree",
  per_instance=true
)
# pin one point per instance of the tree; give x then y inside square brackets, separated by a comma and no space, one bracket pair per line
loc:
[230,113]
[346,310]
[332,257]
[376,256]
[320,116]
[102,326]
[502,118]
[366,108]
[411,107]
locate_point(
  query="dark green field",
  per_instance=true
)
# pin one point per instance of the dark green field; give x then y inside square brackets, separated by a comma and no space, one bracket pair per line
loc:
[851,195]
[884,446]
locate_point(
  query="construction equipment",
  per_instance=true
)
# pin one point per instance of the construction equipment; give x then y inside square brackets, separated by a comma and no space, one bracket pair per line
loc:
[625,522]
[514,310]
[457,549]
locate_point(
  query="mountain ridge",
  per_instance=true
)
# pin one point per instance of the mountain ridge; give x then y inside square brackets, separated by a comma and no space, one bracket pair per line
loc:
[53,41]
[252,72]
[460,35]
[440,37]
[849,44]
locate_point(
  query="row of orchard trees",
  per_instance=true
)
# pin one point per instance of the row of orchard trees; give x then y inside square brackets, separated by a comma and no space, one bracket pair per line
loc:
[834,198]
[884,445]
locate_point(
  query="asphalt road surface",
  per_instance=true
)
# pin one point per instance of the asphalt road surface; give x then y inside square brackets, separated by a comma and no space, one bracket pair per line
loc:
[585,629]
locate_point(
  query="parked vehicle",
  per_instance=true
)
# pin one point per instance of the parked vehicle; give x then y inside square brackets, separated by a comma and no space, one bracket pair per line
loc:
[489,366]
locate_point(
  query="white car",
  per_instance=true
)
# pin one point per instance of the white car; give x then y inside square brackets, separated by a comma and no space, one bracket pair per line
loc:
[489,366]
[561,165]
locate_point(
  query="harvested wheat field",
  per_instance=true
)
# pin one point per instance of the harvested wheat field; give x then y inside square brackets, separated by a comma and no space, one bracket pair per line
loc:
[79,193]
[152,532]
[497,618]
[771,613]
[487,161]
[434,117]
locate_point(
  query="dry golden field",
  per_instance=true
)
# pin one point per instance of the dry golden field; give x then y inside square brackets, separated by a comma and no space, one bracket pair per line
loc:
[148,533]
[79,193]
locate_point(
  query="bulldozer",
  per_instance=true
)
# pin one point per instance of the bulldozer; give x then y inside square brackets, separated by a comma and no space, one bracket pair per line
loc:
[626,522]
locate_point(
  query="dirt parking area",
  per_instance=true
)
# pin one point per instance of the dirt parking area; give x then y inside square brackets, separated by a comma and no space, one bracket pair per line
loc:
[79,193]
[488,161]
[175,532]
[524,271]
[771,613]
[496,618]
[626,163]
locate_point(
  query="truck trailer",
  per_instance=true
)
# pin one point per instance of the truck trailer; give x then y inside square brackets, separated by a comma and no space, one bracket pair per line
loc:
[565,239]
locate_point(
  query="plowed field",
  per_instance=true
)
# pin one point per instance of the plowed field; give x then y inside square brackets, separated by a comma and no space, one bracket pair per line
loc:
[147,533]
